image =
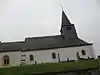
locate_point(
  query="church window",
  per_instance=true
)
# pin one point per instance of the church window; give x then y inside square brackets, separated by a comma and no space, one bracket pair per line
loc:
[6,60]
[53,55]
[69,28]
[83,52]
[31,57]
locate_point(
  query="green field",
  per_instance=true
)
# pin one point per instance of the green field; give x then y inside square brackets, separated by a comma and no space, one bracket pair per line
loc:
[49,67]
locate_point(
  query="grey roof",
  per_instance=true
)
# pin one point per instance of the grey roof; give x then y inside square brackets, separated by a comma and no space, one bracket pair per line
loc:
[9,46]
[42,43]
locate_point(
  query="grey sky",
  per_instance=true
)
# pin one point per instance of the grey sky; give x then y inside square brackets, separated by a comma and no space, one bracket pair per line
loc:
[26,18]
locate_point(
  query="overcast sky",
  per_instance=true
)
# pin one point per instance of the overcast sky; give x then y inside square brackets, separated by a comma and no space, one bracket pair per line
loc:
[31,18]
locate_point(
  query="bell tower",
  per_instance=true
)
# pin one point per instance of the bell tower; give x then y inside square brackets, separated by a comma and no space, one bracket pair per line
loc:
[67,29]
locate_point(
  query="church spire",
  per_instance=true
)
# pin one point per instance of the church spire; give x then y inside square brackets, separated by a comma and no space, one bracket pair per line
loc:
[65,20]
[67,29]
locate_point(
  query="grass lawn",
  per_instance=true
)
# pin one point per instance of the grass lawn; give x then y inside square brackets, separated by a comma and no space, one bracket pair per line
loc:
[49,67]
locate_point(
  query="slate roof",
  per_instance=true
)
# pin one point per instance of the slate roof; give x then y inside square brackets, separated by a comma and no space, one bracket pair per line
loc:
[49,42]
[65,20]
[12,46]
[42,43]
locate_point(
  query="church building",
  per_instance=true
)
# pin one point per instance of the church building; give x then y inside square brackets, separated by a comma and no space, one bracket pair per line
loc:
[47,49]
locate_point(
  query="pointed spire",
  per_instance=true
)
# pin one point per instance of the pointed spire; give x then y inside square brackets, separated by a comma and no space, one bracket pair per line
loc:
[65,20]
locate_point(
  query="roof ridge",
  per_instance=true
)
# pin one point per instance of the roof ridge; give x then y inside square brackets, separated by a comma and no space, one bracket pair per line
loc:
[41,37]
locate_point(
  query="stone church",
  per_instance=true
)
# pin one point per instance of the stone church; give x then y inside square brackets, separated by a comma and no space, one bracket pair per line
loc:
[46,49]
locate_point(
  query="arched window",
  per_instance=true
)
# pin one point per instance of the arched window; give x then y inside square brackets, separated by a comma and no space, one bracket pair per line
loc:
[53,55]
[83,52]
[6,60]
[31,57]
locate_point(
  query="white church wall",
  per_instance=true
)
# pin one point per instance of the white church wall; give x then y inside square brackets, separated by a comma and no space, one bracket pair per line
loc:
[45,56]
[14,58]
[92,52]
